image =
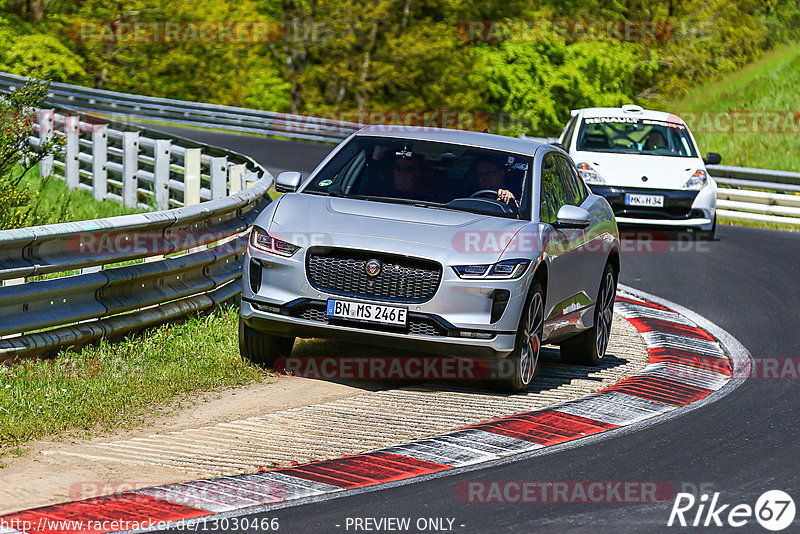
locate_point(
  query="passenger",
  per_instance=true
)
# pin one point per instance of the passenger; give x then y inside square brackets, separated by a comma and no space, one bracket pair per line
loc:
[395,177]
[406,173]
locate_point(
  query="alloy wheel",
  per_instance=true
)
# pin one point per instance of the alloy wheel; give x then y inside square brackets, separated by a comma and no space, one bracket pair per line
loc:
[529,353]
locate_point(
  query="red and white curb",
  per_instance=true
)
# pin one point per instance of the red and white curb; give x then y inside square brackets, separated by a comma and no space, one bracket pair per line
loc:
[687,367]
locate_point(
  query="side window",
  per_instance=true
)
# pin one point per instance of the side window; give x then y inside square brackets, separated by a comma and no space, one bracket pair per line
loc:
[552,191]
[573,185]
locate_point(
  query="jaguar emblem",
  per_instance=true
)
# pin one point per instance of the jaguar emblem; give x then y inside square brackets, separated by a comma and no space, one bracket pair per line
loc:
[373,268]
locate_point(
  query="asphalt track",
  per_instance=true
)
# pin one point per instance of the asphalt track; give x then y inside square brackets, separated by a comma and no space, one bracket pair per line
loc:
[746,282]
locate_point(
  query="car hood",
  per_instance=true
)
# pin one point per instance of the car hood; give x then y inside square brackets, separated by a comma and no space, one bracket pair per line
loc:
[662,172]
[395,228]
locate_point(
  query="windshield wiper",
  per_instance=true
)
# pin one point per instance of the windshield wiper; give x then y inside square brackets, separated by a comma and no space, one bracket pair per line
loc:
[394,200]
[331,193]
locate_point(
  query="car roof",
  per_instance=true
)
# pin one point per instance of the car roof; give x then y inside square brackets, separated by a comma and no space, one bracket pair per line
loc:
[620,112]
[458,137]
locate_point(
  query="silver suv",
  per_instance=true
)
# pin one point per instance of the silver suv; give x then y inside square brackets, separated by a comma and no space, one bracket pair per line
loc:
[451,242]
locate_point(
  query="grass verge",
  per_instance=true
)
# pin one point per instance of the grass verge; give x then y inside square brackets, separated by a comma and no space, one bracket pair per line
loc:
[121,385]
[81,205]
[766,85]
[757,224]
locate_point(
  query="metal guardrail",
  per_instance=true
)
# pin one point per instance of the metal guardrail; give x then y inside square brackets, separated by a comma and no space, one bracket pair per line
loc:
[175,261]
[107,302]
[774,201]
[124,106]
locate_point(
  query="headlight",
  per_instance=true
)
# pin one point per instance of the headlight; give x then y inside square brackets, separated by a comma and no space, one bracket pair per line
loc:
[698,180]
[506,269]
[589,175]
[261,240]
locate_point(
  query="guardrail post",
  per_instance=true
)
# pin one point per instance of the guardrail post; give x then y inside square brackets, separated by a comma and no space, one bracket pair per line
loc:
[161,152]
[72,164]
[130,168]
[47,119]
[219,177]
[249,179]
[235,173]
[191,176]
[99,160]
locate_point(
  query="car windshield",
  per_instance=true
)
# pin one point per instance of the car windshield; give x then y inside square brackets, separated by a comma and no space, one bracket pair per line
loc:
[428,174]
[635,135]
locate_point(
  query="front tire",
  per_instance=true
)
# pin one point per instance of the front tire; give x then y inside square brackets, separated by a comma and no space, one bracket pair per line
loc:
[262,349]
[522,364]
[589,347]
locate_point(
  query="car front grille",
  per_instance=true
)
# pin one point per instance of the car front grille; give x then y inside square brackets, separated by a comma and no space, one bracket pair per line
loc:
[343,272]
[677,203]
[417,324]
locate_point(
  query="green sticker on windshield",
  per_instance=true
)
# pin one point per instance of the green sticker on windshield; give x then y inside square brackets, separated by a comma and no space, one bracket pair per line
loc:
[325,183]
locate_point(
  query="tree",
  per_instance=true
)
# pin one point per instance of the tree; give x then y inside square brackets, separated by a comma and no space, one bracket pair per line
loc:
[31,8]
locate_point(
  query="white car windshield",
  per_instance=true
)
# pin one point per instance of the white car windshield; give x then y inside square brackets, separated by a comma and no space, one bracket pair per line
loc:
[427,173]
[635,135]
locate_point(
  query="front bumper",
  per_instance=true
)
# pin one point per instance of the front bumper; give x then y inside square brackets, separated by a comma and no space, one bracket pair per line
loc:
[682,208]
[278,298]
[436,339]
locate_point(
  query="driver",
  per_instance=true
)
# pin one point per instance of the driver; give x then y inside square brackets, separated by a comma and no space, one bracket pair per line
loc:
[490,174]
[655,140]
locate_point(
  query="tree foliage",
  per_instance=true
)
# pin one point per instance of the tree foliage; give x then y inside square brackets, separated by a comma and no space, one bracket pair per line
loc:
[395,55]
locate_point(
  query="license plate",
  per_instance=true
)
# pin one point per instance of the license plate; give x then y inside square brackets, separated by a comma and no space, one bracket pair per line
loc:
[652,201]
[369,313]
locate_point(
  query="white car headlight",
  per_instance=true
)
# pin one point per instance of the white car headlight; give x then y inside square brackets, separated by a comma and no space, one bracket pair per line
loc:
[261,240]
[698,180]
[506,269]
[589,175]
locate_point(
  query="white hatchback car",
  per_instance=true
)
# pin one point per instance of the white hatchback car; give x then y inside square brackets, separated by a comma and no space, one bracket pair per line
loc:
[646,164]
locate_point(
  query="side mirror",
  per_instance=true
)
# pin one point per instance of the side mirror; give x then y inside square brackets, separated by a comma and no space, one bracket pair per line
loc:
[288,181]
[572,217]
[712,158]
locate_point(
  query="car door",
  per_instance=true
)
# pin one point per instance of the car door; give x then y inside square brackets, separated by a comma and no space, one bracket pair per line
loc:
[562,248]
[588,253]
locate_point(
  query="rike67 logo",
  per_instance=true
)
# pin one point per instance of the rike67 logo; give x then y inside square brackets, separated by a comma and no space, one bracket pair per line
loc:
[774,510]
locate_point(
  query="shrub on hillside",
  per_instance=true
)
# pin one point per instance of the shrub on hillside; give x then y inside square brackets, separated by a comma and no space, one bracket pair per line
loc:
[19,204]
